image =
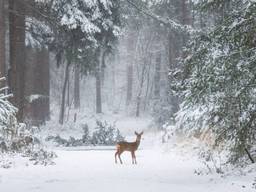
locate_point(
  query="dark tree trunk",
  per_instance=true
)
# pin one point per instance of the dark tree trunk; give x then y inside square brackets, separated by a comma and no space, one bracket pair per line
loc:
[103,66]
[157,76]
[17,54]
[2,38]
[98,82]
[37,83]
[42,85]
[77,87]
[68,91]
[62,110]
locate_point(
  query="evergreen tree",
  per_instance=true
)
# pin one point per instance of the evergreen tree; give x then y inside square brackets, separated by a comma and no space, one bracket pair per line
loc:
[218,80]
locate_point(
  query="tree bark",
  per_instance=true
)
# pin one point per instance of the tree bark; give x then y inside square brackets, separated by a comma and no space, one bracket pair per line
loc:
[98,82]
[77,87]
[37,83]
[62,110]
[68,91]
[157,76]
[2,38]
[17,54]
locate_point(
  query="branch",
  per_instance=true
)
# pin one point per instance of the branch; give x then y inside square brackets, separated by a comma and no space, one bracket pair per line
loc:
[249,155]
[4,88]
[165,21]
[2,79]
[6,96]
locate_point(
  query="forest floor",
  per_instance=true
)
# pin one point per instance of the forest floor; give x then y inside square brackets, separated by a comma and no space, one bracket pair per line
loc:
[93,169]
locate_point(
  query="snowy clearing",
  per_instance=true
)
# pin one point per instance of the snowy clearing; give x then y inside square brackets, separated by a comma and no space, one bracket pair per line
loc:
[93,169]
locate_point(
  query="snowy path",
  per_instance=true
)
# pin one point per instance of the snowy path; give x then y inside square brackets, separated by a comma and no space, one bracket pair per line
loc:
[95,171]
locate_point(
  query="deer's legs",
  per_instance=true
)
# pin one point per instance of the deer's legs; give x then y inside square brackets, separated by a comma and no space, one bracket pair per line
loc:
[115,156]
[134,157]
[119,156]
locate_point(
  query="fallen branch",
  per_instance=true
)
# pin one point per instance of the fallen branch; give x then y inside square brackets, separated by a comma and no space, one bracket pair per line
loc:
[249,155]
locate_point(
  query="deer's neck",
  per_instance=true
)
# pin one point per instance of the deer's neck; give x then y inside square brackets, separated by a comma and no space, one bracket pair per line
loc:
[137,143]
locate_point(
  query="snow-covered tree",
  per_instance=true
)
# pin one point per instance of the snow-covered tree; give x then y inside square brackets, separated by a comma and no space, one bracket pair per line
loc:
[218,80]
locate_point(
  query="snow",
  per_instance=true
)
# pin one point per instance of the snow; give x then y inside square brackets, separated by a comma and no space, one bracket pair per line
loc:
[173,166]
[126,125]
[94,170]
[34,97]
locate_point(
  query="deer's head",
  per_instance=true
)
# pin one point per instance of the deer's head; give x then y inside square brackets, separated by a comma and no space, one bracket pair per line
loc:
[138,136]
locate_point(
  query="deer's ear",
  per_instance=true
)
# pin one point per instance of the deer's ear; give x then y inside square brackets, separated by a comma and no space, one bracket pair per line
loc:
[136,133]
[141,133]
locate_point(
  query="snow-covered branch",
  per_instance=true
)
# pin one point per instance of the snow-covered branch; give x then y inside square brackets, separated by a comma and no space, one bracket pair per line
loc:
[2,79]
[165,21]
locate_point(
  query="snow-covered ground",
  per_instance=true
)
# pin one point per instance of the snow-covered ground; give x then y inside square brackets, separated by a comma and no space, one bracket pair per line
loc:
[93,169]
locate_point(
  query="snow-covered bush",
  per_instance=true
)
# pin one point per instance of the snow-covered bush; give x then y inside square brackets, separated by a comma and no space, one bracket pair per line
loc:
[17,137]
[105,134]
[41,157]
[86,138]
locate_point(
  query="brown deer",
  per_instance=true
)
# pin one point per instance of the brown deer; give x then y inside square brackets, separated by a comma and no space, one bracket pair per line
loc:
[128,146]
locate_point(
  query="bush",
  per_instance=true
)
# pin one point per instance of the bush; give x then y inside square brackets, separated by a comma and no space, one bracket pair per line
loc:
[104,134]
[41,157]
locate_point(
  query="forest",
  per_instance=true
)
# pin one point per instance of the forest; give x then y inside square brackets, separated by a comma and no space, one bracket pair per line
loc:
[171,83]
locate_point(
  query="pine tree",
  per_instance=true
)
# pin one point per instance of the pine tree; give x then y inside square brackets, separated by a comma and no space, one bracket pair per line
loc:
[218,78]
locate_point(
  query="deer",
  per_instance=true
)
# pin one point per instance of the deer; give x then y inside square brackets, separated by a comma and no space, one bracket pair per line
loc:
[128,146]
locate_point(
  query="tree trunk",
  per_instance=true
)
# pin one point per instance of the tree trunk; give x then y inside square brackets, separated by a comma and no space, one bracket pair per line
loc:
[41,84]
[102,67]
[37,83]
[129,84]
[140,88]
[2,38]
[17,54]
[98,82]
[157,76]
[130,58]
[62,110]
[77,87]
[68,91]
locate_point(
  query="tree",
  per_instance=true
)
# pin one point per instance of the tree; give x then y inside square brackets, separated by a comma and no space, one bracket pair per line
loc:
[2,37]
[109,30]
[17,54]
[130,60]
[77,87]
[218,78]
